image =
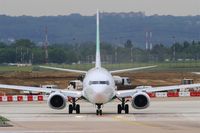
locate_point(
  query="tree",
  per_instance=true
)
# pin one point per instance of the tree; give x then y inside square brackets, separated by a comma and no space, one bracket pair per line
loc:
[160,52]
[24,43]
[57,55]
[128,44]
[7,55]
[37,55]
[2,45]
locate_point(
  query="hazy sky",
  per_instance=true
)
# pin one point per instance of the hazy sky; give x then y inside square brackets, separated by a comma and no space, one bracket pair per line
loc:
[88,7]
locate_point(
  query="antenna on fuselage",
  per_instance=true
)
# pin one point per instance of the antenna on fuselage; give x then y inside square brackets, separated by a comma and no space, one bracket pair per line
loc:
[98,57]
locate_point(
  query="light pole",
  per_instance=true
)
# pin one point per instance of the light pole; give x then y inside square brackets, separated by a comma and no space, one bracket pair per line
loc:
[131,54]
[174,49]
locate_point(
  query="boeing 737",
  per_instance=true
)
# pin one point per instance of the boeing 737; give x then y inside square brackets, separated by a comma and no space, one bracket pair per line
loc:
[99,88]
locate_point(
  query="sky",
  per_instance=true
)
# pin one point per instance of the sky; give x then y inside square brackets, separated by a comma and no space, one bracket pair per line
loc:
[89,7]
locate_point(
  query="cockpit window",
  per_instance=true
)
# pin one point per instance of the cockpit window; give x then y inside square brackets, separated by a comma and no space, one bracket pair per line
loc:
[94,82]
[99,82]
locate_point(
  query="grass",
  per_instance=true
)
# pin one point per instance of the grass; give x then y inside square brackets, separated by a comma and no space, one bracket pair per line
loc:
[14,68]
[166,66]
[4,122]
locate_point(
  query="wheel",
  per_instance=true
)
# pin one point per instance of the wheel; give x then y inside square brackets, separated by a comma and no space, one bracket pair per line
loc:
[119,109]
[70,109]
[97,112]
[126,109]
[78,109]
[100,112]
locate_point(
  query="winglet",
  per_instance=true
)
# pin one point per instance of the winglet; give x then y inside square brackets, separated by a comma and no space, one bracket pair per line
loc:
[98,57]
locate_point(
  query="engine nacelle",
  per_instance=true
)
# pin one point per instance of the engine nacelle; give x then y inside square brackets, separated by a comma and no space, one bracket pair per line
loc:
[56,100]
[140,100]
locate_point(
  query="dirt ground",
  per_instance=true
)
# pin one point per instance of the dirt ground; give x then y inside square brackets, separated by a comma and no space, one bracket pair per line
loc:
[62,78]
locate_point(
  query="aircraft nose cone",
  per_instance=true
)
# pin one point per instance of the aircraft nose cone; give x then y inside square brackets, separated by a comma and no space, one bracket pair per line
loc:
[100,95]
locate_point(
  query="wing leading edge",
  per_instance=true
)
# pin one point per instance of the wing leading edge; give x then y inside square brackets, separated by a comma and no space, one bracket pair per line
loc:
[129,93]
[132,69]
[75,94]
[63,69]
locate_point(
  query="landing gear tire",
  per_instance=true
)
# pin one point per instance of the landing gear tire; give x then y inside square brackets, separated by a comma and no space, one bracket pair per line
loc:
[74,107]
[122,107]
[70,109]
[119,109]
[77,109]
[126,109]
[99,111]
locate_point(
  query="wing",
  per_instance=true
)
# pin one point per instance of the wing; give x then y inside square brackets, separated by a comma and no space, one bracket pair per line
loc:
[129,93]
[131,69]
[76,94]
[198,73]
[63,69]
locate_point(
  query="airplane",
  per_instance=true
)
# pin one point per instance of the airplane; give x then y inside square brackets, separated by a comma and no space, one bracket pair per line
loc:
[99,88]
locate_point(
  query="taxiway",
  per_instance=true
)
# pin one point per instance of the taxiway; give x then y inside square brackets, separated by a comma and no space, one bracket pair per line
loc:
[168,115]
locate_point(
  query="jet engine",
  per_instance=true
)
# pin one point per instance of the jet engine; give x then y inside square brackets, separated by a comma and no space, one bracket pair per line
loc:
[140,100]
[56,100]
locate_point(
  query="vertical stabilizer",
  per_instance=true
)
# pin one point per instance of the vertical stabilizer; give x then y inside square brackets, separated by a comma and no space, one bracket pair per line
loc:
[98,57]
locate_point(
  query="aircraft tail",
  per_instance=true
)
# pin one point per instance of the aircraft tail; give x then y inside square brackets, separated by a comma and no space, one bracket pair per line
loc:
[98,57]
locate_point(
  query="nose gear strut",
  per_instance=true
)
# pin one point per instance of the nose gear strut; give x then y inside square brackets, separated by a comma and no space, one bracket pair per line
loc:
[99,111]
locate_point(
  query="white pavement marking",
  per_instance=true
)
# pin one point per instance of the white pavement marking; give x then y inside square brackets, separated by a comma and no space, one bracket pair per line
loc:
[80,116]
[51,131]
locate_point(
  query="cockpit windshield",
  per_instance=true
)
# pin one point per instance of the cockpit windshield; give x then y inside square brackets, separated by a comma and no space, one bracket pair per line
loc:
[99,82]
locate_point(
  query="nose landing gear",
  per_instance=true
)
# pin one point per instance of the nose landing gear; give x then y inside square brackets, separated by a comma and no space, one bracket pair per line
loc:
[98,111]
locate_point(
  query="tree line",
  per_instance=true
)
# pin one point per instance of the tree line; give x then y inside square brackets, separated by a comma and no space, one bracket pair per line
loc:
[114,27]
[26,51]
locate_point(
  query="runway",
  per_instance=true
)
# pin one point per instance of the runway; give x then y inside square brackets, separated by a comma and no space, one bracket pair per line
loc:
[168,115]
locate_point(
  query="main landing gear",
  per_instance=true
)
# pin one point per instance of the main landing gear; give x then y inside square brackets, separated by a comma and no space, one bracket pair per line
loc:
[74,107]
[122,107]
[98,111]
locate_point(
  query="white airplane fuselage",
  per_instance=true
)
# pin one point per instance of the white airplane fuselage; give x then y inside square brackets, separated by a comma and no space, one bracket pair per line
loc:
[98,86]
